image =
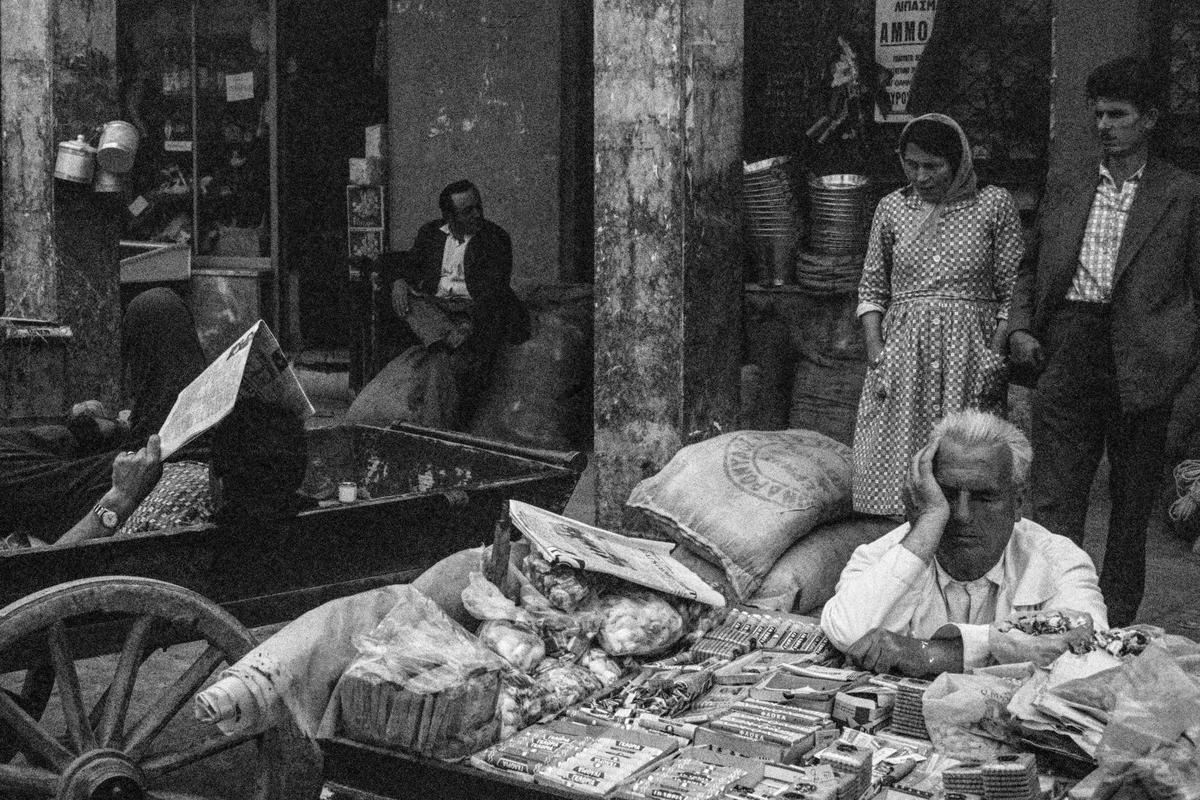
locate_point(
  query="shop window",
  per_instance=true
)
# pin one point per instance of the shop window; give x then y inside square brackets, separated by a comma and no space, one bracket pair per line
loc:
[1182,136]
[985,62]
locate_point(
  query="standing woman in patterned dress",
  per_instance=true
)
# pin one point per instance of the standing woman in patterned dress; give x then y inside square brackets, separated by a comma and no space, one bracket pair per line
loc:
[933,301]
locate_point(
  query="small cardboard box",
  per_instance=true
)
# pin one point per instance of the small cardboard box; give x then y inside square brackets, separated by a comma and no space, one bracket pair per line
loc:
[754,769]
[366,171]
[754,748]
[667,744]
[375,141]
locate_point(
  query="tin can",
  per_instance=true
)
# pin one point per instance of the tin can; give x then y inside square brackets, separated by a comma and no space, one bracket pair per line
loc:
[347,492]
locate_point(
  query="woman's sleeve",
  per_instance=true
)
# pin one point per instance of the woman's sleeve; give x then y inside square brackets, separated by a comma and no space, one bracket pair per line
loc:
[875,286]
[1009,248]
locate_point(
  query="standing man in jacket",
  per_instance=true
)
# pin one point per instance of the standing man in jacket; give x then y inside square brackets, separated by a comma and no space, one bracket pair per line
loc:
[454,292]
[1104,313]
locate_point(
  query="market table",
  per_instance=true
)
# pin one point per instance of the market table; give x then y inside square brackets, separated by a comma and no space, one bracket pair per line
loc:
[359,767]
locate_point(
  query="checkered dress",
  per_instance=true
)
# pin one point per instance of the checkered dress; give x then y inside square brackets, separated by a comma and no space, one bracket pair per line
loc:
[941,296]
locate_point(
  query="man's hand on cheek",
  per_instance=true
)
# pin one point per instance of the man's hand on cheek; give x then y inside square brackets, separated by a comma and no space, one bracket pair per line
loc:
[928,509]
[884,651]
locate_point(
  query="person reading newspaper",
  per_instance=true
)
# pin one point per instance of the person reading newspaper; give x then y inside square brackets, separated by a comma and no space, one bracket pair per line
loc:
[67,484]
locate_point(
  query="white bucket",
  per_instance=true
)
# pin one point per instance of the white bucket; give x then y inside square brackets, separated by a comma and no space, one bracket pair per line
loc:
[118,146]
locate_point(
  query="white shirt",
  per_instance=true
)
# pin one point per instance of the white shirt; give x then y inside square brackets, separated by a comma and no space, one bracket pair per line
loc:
[1102,238]
[453,282]
[886,586]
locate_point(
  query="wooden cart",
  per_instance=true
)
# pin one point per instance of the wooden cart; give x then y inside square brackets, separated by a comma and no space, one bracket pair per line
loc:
[432,493]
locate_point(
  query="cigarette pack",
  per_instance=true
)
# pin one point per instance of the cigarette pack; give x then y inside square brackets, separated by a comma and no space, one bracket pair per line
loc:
[375,141]
[366,171]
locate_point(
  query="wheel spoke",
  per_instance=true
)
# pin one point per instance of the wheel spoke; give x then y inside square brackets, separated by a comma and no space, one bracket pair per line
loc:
[28,731]
[112,721]
[169,702]
[78,726]
[161,765]
[28,779]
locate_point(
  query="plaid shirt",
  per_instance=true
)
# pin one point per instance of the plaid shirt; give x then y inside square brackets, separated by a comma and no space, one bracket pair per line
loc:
[1102,238]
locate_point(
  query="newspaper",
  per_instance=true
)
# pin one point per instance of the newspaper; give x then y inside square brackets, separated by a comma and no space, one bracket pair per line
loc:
[253,366]
[641,561]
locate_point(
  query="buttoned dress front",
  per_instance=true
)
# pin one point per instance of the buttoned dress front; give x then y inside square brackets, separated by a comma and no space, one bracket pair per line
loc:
[942,296]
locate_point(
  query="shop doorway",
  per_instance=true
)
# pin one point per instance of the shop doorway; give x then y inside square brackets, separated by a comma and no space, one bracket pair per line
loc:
[332,78]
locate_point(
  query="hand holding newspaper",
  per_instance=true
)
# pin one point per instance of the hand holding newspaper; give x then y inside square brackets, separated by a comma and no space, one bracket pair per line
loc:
[253,366]
[641,561]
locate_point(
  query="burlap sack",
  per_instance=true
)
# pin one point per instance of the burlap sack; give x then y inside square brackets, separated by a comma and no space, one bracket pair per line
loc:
[806,575]
[743,498]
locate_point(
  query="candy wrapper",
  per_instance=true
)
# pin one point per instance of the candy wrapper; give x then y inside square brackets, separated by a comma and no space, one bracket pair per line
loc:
[1040,637]
[421,683]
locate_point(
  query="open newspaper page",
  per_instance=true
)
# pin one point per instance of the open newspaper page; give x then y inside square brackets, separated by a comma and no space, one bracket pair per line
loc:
[252,366]
[641,561]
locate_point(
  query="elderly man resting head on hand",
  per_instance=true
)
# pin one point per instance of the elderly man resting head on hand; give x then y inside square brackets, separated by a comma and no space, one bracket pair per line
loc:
[921,600]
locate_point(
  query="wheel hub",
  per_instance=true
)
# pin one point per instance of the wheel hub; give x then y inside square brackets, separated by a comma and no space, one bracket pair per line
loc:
[102,775]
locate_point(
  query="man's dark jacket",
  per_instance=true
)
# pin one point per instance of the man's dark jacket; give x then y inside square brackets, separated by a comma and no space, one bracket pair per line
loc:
[487,267]
[1156,283]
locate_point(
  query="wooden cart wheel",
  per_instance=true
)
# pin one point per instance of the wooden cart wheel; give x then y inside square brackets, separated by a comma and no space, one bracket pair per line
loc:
[99,754]
[34,694]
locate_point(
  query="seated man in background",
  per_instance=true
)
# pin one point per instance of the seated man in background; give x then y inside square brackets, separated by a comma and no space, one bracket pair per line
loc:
[921,600]
[453,291]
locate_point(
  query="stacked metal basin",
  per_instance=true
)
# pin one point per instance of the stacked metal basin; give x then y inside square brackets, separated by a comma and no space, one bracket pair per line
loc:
[773,215]
[839,214]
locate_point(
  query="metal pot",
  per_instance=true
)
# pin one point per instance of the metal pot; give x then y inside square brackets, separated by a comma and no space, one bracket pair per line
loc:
[74,161]
[118,146]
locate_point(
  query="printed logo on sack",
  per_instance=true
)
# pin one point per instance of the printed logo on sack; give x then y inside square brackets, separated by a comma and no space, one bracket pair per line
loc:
[789,470]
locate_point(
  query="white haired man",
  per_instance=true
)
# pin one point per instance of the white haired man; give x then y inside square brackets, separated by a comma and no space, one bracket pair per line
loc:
[921,599]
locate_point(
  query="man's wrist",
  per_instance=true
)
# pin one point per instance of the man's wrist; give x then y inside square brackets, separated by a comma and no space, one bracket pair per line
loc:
[118,502]
[926,532]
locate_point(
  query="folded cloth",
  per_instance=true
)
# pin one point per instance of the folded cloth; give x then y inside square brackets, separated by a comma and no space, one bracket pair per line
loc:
[296,668]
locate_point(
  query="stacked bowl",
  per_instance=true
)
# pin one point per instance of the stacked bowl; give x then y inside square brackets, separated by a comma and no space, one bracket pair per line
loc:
[839,214]
[772,212]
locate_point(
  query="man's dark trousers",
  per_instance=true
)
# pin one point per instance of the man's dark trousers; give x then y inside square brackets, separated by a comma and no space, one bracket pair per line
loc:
[1076,416]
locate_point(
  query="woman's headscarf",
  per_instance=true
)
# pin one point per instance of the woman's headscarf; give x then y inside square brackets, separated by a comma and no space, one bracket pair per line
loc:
[964,185]
[161,356]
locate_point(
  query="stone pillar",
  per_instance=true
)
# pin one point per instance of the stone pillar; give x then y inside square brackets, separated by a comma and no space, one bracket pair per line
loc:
[26,68]
[87,224]
[60,242]
[668,124]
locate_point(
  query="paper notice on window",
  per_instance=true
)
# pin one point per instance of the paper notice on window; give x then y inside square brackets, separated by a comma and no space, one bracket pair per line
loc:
[902,28]
[641,561]
[239,86]
[253,366]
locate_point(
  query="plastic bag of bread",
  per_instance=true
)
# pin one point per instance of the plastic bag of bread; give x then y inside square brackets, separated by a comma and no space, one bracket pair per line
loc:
[564,683]
[517,643]
[420,682]
[566,588]
[637,622]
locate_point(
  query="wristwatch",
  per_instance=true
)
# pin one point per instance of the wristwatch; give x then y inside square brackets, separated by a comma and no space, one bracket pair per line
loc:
[108,518]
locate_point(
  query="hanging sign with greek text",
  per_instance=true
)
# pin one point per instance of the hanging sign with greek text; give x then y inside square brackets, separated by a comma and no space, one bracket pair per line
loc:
[902,28]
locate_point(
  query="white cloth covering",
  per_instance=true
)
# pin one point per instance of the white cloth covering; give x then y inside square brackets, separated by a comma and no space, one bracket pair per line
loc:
[296,668]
